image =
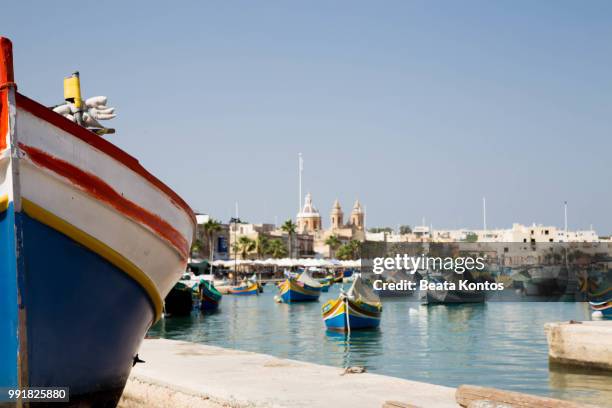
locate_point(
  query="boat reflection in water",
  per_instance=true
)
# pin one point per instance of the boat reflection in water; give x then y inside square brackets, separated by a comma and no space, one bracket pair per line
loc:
[357,348]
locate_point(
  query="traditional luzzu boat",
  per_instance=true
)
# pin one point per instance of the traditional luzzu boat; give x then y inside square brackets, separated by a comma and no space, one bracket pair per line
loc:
[359,308]
[180,299]
[597,284]
[603,309]
[326,283]
[210,297]
[90,243]
[304,288]
[245,289]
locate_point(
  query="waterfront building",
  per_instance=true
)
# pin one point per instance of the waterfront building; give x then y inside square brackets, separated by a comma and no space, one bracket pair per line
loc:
[220,241]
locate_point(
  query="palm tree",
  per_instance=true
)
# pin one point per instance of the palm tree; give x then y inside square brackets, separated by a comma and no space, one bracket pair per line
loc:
[334,243]
[211,227]
[289,227]
[350,250]
[245,245]
[355,247]
[277,249]
[196,247]
[261,245]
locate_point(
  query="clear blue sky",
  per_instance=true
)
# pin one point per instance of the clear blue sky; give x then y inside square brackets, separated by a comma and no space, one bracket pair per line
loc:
[417,108]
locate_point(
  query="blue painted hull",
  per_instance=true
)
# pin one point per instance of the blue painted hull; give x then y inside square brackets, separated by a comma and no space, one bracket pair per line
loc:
[356,322]
[84,317]
[209,301]
[8,301]
[209,305]
[246,293]
[294,296]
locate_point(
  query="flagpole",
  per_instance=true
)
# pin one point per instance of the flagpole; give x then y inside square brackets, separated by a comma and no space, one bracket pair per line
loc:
[484,214]
[300,169]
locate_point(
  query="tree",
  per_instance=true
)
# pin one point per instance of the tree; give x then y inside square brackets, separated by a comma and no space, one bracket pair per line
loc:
[350,250]
[334,243]
[261,245]
[277,249]
[289,227]
[211,227]
[471,237]
[196,246]
[245,245]
[405,229]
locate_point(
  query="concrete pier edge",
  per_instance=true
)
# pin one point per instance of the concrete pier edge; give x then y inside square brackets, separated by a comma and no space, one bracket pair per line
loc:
[585,344]
[178,373]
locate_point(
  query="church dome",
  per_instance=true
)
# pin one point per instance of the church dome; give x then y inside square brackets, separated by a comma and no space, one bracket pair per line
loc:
[309,209]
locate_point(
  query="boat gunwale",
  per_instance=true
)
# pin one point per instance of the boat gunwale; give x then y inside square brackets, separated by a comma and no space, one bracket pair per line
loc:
[102,145]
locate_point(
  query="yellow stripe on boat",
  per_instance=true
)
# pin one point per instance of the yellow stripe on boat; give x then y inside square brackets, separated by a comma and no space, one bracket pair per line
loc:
[4,202]
[97,246]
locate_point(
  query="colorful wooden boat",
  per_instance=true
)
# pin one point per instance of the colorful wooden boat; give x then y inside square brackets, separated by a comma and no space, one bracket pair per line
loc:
[326,283]
[359,308]
[210,297]
[179,302]
[90,244]
[248,288]
[603,309]
[301,289]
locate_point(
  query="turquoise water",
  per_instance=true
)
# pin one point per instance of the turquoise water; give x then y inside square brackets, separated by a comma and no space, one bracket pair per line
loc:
[496,344]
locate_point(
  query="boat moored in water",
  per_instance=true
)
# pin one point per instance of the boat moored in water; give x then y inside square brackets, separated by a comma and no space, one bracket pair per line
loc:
[326,283]
[247,288]
[210,297]
[179,302]
[101,242]
[301,289]
[359,308]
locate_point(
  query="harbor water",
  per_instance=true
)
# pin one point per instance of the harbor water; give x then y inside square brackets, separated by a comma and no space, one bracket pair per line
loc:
[496,344]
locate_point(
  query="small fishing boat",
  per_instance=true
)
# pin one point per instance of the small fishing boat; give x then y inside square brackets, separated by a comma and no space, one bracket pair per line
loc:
[325,286]
[456,296]
[601,309]
[359,308]
[245,289]
[179,302]
[450,295]
[254,279]
[597,284]
[303,289]
[326,283]
[210,297]
[90,245]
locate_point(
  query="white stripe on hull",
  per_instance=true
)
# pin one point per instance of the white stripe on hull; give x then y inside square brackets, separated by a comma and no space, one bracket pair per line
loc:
[145,249]
[35,132]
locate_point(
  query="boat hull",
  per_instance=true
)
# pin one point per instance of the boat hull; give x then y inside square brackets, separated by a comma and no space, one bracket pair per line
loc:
[209,300]
[179,302]
[442,297]
[603,309]
[291,291]
[252,289]
[76,337]
[90,244]
[345,315]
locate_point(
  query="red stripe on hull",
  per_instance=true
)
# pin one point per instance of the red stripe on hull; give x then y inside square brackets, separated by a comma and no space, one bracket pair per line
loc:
[101,144]
[102,191]
[4,118]
[6,80]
